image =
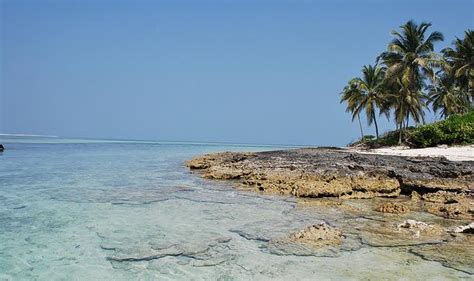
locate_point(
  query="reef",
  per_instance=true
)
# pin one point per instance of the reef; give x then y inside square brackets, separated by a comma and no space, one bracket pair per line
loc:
[423,204]
[444,186]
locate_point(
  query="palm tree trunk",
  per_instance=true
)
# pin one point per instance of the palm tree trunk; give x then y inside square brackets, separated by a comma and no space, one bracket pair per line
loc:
[376,126]
[405,130]
[400,131]
[360,125]
[408,120]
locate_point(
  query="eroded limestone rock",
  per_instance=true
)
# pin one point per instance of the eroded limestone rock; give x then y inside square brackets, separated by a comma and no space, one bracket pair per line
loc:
[406,233]
[338,173]
[456,253]
[315,240]
[318,235]
[393,208]
[469,228]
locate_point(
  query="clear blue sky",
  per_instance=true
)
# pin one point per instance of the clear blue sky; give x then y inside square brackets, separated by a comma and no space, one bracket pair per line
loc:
[232,71]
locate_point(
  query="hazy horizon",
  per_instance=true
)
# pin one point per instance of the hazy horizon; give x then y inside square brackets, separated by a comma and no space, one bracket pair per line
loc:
[202,71]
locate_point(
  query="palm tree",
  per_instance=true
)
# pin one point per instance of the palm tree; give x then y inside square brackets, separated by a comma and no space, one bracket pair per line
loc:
[460,62]
[350,94]
[446,96]
[410,59]
[366,93]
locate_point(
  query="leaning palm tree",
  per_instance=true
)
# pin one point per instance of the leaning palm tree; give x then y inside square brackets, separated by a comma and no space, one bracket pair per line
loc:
[446,96]
[351,95]
[460,62]
[410,59]
[366,93]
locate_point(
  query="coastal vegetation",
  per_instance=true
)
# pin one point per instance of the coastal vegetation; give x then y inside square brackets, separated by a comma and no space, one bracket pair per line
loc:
[411,78]
[456,129]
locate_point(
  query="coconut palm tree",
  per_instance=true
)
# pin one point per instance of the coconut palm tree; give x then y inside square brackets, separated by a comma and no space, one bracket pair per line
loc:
[460,62]
[350,95]
[366,93]
[446,96]
[410,59]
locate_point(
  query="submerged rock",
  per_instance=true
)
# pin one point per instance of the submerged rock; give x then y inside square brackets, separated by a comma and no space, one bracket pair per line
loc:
[418,227]
[406,233]
[314,240]
[393,208]
[318,235]
[469,228]
[455,254]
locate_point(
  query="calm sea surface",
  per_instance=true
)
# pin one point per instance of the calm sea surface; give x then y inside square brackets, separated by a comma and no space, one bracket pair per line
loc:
[105,210]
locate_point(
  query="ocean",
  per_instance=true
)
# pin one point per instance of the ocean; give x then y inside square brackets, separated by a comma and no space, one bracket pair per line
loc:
[74,209]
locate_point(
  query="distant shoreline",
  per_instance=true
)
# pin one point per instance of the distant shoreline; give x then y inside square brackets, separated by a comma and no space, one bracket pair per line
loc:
[28,135]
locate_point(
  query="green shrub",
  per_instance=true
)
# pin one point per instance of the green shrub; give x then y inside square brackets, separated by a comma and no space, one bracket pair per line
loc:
[429,135]
[388,139]
[368,138]
[457,129]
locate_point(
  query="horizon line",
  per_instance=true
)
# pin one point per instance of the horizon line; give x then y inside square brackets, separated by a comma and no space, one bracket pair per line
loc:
[159,141]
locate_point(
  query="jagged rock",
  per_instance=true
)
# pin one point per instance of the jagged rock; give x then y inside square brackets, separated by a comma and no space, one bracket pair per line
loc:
[454,206]
[318,235]
[415,196]
[209,160]
[393,208]
[337,173]
[443,197]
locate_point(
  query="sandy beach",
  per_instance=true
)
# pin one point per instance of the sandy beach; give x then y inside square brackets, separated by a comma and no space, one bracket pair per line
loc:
[453,153]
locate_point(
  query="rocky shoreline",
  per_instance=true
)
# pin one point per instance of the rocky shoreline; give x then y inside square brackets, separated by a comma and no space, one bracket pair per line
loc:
[445,187]
[423,204]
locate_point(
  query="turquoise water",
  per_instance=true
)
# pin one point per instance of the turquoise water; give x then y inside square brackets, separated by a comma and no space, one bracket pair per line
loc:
[105,210]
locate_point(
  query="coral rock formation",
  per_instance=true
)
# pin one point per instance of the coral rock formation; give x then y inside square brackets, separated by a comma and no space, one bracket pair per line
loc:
[445,186]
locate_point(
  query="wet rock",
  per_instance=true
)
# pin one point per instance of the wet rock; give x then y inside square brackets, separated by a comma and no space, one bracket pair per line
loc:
[469,228]
[264,231]
[2,148]
[443,197]
[415,227]
[324,204]
[393,208]
[318,235]
[207,250]
[415,196]
[452,206]
[409,232]
[314,240]
[456,254]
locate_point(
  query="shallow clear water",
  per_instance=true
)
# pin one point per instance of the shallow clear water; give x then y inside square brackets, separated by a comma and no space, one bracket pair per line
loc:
[89,210]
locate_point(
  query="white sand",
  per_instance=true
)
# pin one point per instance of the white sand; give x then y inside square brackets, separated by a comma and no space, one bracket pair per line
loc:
[453,153]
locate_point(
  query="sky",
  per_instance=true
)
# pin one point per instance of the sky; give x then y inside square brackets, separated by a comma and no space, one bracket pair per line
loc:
[222,71]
